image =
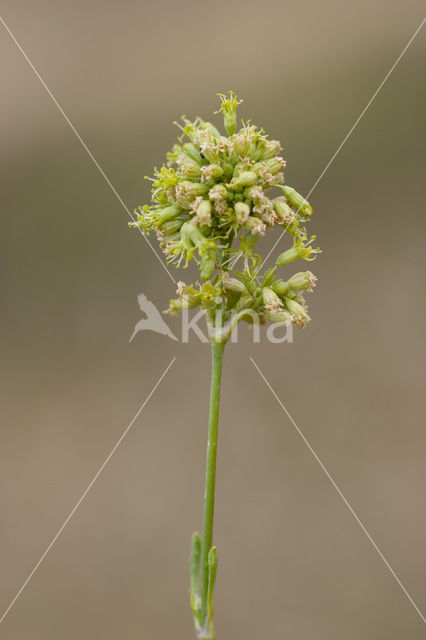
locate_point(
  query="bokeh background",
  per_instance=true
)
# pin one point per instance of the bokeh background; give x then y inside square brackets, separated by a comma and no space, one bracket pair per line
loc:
[293,561]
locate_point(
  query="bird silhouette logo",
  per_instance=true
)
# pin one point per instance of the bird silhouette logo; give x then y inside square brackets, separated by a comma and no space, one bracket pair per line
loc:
[153,320]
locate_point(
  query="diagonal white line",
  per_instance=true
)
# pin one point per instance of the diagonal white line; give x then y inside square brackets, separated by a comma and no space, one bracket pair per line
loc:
[92,157]
[339,491]
[345,139]
[92,482]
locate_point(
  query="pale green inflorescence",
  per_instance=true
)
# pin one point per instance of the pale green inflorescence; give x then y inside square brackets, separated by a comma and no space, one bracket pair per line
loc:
[211,202]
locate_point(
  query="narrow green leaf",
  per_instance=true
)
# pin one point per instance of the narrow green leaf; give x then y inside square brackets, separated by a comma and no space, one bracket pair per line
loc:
[195,561]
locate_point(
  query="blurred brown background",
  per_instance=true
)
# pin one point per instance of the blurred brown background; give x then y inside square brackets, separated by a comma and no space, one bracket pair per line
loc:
[293,561]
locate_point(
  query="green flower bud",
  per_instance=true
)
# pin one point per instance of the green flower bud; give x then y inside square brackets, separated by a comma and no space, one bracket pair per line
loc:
[283,210]
[242,212]
[163,215]
[228,170]
[275,165]
[229,110]
[280,287]
[247,279]
[210,154]
[211,172]
[233,284]
[256,226]
[208,145]
[283,317]
[270,149]
[300,249]
[208,264]
[192,151]
[297,200]
[238,169]
[300,317]
[215,133]
[195,188]
[218,192]
[302,280]
[245,179]
[171,226]
[192,236]
[188,167]
[186,192]
[241,144]
[186,236]
[255,193]
[271,301]
[269,277]
[203,215]
[292,294]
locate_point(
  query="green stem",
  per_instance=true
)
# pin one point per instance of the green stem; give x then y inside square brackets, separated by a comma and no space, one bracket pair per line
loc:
[217,356]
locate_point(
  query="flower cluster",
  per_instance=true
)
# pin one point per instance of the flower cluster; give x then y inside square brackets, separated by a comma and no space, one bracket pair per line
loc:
[211,203]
